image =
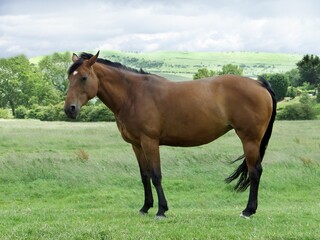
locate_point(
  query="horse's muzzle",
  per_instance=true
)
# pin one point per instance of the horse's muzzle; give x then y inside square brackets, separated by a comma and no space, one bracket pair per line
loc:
[71,111]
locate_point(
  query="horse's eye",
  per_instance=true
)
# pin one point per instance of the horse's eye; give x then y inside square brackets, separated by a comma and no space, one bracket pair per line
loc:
[84,78]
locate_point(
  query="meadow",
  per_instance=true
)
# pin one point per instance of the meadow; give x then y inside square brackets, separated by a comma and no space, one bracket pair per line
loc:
[70,180]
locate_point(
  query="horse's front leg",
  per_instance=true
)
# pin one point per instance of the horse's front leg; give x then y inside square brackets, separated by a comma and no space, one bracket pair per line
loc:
[150,148]
[145,177]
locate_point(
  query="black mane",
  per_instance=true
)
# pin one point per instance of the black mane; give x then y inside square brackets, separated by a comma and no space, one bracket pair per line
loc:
[85,56]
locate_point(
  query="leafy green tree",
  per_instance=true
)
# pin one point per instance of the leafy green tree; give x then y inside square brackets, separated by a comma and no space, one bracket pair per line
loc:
[226,69]
[13,80]
[21,84]
[54,69]
[279,83]
[294,77]
[231,69]
[309,68]
[203,73]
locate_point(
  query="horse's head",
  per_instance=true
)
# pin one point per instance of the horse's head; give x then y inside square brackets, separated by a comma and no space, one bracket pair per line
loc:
[83,84]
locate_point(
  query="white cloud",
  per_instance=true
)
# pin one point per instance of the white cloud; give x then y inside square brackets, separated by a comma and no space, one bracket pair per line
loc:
[140,25]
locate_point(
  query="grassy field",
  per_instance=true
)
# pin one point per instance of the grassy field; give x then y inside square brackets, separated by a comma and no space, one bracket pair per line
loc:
[178,65]
[63,180]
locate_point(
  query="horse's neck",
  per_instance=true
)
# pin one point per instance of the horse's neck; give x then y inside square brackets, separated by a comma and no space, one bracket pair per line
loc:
[113,88]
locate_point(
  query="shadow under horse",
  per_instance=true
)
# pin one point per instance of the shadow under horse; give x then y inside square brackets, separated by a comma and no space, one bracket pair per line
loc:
[151,111]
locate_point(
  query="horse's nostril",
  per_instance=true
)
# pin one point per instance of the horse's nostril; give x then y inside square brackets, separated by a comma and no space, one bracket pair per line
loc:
[72,108]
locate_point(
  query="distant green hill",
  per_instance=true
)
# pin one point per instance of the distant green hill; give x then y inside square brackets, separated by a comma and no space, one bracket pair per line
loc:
[177,65]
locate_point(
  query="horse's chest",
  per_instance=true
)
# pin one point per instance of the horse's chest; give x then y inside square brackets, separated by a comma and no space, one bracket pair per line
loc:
[126,134]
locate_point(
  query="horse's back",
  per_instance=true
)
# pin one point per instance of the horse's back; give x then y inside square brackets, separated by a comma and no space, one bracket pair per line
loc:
[221,96]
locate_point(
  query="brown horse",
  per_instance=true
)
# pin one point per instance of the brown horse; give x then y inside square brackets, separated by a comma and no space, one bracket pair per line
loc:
[152,111]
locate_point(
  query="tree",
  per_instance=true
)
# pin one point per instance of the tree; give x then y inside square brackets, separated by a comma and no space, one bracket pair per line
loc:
[203,73]
[226,69]
[54,69]
[11,70]
[294,77]
[231,69]
[309,68]
[21,84]
[279,83]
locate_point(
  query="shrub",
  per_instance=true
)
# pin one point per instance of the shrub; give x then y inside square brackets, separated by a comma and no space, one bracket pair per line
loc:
[101,113]
[298,111]
[21,112]
[292,92]
[95,113]
[88,113]
[47,113]
[59,112]
[305,99]
[4,113]
[203,73]
[37,112]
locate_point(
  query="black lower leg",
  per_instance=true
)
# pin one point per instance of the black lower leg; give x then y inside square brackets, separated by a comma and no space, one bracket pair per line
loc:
[162,202]
[148,198]
[254,177]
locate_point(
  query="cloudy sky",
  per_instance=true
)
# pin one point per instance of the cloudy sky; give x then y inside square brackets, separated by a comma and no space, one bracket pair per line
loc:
[42,27]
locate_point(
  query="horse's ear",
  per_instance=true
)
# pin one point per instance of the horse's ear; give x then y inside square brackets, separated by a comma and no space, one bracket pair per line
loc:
[74,57]
[93,59]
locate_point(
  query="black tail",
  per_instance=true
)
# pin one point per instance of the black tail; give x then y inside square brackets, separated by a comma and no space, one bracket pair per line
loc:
[267,135]
[242,171]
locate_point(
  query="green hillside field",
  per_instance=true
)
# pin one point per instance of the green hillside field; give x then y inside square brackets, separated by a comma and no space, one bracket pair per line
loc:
[182,65]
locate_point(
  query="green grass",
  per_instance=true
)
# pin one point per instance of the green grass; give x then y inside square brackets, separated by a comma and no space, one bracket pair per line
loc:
[81,181]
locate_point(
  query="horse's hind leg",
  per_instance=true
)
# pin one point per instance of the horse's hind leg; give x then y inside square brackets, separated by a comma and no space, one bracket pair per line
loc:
[251,151]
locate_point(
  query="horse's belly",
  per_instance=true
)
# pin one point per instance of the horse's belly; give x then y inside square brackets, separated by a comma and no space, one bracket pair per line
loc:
[190,137]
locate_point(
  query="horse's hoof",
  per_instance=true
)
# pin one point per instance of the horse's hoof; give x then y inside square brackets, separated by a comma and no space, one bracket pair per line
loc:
[244,216]
[142,213]
[160,217]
